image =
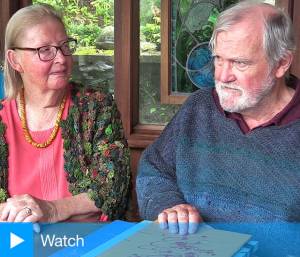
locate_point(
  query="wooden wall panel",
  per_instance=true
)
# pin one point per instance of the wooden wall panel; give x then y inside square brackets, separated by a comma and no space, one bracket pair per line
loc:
[132,213]
[127,61]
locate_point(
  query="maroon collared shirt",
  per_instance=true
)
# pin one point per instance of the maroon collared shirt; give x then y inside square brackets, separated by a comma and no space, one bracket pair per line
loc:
[289,113]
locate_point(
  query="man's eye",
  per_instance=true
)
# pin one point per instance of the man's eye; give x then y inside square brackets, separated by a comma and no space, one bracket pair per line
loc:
[240,65]
[218,60]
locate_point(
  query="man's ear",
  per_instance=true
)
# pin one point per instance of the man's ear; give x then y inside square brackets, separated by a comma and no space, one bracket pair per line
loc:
[13,60]
[283,65]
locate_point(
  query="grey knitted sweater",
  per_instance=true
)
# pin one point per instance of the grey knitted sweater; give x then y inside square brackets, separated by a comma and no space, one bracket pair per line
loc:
[204,159]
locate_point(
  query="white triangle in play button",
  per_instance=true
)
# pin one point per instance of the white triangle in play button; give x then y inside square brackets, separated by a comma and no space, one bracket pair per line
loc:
[15,240]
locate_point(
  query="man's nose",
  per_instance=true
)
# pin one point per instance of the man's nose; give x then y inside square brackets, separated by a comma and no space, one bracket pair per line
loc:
[224,72]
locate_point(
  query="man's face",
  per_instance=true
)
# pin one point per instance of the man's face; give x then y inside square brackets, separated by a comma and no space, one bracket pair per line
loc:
[242,74]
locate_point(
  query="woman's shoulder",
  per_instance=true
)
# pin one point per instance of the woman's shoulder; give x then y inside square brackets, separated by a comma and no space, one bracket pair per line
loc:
[86,95]
[5,108]
[3,103]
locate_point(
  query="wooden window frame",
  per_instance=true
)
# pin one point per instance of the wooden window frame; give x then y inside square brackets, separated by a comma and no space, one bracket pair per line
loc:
[127,74]
[166,94]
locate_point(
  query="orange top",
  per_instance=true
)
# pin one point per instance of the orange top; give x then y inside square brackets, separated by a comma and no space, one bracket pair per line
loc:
[35,171]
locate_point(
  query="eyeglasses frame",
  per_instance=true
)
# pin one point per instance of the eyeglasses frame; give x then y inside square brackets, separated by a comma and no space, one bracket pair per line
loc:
[38,48]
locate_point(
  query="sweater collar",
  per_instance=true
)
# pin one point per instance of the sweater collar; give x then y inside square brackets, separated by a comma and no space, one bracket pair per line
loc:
[289,114]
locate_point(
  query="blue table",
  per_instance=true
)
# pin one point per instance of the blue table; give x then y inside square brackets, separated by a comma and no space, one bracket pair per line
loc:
[274,239]
[279,239]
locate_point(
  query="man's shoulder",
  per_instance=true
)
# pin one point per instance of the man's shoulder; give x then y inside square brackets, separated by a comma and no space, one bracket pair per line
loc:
[201,97]
[197,106]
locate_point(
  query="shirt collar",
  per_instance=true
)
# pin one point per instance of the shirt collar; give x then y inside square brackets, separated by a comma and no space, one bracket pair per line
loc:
[290,113]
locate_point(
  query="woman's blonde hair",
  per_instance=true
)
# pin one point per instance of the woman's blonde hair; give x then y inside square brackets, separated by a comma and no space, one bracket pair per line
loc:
[22,20]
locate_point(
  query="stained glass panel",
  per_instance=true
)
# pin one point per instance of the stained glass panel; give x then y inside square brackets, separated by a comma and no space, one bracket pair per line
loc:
[192,23]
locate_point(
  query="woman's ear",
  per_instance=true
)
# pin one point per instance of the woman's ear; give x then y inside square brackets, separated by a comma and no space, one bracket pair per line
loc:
[13,60]
[283,65]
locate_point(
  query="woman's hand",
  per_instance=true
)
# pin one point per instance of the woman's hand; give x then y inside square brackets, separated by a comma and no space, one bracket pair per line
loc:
[183,219]
[26,208]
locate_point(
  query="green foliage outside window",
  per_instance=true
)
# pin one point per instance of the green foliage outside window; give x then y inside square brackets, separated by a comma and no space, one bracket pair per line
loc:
[150,26]
[84,20]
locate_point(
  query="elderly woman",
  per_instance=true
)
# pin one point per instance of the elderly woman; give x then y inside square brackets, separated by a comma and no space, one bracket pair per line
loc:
[63,155]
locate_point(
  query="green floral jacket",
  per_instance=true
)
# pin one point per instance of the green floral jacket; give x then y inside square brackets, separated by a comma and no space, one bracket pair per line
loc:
[95,152]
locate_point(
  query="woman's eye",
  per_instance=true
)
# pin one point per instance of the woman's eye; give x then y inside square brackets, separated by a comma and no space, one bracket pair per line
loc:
[45,49]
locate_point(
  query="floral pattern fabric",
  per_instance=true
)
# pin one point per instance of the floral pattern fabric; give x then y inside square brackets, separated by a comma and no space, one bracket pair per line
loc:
[95,152]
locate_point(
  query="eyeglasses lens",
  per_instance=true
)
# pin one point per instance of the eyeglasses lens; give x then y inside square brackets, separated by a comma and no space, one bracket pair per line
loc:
[47,53]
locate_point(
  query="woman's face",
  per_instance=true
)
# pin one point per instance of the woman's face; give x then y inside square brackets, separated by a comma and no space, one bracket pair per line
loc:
[47,75]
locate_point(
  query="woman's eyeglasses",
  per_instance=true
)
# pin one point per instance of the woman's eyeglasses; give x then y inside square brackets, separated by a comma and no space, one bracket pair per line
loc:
[48,53]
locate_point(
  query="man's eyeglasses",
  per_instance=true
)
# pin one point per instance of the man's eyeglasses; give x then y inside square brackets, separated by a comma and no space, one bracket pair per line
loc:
[48,53]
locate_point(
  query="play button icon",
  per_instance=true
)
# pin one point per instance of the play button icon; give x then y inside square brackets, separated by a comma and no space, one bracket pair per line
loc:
[15,240]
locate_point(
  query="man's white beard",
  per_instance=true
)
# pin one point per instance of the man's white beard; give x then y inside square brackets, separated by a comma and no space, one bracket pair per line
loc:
[246,100]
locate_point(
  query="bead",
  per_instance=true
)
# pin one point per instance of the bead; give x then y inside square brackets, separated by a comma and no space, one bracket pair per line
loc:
[26,132]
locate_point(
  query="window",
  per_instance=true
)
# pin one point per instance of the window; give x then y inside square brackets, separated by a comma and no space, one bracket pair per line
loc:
[151,110]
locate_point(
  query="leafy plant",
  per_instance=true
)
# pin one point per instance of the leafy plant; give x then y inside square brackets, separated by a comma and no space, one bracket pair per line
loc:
[150,21]
[151,31]
[86,34]
[84,18]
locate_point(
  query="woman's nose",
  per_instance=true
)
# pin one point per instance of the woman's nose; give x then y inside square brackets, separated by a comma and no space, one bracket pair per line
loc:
[60,56]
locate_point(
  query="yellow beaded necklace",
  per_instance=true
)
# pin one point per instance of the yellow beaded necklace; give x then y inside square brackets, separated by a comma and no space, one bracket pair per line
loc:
[25,128]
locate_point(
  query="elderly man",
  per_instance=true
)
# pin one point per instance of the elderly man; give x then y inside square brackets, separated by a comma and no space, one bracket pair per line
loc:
[232,153]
